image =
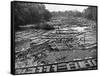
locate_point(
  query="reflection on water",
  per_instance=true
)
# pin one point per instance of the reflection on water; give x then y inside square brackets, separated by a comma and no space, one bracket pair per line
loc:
[79,29]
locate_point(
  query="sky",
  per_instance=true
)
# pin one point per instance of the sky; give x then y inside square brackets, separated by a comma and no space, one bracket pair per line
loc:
[52,7]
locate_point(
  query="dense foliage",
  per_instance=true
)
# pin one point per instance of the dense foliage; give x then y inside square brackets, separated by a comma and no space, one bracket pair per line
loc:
[29,13]
[91,13]
[67,13]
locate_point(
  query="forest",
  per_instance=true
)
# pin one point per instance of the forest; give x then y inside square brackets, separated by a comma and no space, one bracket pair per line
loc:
[29,13]
[37,14]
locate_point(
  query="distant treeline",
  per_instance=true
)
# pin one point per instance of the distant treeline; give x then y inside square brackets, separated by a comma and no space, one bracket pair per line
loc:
[29,13]
[89,13]
[67,13]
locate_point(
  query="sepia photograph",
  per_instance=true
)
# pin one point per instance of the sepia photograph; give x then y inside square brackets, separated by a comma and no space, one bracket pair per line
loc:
[53,37]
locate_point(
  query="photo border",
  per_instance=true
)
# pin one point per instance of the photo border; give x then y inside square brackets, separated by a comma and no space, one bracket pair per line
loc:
[12,65]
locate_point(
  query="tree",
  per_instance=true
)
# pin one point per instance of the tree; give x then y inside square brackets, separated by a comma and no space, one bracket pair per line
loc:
[29,13]
[91,13]
[47,15]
